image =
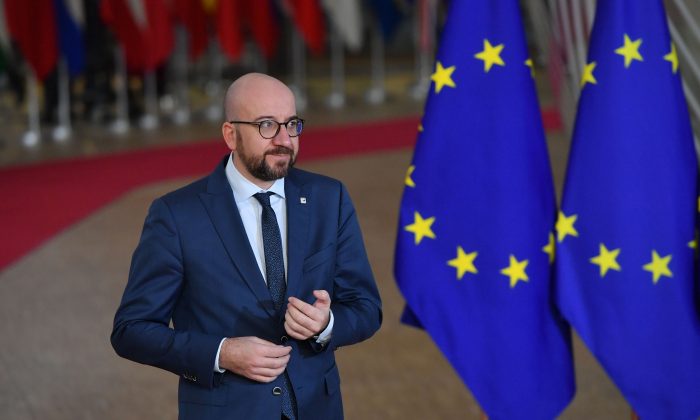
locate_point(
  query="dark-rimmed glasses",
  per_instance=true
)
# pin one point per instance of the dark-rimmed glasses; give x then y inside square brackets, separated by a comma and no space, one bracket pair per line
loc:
[270,128]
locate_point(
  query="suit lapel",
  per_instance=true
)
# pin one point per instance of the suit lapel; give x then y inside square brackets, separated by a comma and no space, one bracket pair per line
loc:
[297,231]
[222,209]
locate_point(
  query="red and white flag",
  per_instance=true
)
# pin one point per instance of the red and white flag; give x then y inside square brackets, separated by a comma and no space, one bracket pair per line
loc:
[229,27]
[143,28]
[191,15]
[346,18]
[308,19]
[32,25]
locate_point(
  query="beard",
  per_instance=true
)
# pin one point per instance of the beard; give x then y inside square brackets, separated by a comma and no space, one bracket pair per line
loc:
[257,165]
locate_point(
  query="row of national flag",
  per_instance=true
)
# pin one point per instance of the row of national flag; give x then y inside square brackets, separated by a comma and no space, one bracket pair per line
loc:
[44,30]
[497,275]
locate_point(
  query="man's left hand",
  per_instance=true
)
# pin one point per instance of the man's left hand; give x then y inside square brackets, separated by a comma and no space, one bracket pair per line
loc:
[303,321]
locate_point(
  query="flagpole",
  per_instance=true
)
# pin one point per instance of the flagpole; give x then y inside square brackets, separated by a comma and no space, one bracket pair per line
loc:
[540,27]
[63,130]
[149,120]
[589,10]
[213,111]
[298,70]
[376,93]
[31,137]
[259,61]
[336,99]
[572,58]
[580,40]
[424,28]
[120,125]
[181,115]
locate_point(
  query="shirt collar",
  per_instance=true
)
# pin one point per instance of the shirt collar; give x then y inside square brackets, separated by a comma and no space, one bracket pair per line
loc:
[243,189]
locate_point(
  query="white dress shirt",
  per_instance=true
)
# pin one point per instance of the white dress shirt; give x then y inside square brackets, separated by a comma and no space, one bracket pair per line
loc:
[250,210]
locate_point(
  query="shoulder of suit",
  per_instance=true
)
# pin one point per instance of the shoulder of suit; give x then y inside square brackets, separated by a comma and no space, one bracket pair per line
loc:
[302,177]
[190,190]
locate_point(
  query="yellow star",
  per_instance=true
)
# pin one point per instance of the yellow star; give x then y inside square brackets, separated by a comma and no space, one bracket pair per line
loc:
[565,226]
[672,58]
[421,227]
[464,263]
[658,266]
[698,204]
[443,77]
[490,55]
[587,76]
[528,63]
[607,260]
[551,248]
[630,50]
[516,271]
[693,244]
[420,128]
[409,172]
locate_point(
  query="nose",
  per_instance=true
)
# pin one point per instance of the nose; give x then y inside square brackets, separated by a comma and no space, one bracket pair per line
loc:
[282,138]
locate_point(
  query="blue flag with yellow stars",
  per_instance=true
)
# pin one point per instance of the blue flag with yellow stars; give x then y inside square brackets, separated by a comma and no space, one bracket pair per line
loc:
[475,238]
[626,230]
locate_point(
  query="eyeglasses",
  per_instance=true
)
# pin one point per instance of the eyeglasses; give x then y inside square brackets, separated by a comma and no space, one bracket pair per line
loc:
[270,128]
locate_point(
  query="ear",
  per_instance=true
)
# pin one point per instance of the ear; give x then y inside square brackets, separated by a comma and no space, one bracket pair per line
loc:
[228,131]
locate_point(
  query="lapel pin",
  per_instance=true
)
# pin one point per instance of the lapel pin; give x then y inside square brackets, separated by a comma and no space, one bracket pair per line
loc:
[302,200]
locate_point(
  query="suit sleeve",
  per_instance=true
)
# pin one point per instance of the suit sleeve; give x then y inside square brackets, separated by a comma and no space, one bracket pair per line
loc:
[356,304]
[142,330]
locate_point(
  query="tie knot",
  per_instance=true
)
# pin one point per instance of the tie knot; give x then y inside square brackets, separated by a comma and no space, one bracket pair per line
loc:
[263,198]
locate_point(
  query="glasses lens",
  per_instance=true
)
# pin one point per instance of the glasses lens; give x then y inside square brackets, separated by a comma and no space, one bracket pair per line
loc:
[294,127]
[269,128]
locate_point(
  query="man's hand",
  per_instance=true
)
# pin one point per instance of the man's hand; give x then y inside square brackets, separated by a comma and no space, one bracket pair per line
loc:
[303,321]
[254,358]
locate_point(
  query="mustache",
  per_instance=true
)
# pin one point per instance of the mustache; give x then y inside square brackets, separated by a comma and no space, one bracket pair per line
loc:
[280,150]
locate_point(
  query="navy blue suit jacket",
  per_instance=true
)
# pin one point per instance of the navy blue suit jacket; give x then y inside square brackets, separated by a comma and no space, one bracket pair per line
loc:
[195,267]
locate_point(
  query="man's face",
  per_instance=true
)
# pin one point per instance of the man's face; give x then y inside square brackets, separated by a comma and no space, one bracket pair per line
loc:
[265,159]
[259,159]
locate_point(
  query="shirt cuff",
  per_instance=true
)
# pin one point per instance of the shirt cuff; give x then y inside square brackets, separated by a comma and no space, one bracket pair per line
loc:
[216,361]
[325,335]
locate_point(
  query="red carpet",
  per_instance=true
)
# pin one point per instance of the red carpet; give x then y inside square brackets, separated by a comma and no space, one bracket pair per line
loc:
[41,200]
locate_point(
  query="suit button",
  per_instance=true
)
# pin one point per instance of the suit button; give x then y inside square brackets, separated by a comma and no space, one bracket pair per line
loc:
[284,339]
[276,391]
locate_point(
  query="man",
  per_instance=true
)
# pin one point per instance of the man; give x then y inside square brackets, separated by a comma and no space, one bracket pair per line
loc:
[261,268]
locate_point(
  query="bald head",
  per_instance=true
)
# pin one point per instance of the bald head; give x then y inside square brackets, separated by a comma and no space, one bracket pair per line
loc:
[255,95]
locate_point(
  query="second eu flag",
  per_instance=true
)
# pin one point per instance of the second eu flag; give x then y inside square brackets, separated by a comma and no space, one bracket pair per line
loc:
[475,244]
[626,267]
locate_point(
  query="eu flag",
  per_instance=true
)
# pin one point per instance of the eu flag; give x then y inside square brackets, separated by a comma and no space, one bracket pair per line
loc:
[475,243]
[626,231]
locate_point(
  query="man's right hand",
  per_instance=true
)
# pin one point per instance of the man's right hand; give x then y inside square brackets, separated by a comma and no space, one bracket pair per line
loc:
[254,358]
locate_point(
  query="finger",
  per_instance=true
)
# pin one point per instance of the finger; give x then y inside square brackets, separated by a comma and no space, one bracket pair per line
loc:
[264,375]
[311,322]
[300,314]
[295,334]
[299,304]
[297,331]
[295,325]
[267,372]
[274,351]
[323,299]
[258,340]
[271,362]
[261,379]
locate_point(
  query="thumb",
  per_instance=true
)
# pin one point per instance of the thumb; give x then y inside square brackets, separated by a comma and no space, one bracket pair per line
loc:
[323,299]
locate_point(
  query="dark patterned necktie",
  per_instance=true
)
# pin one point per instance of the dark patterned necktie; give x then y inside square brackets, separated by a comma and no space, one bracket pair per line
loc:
[274,269]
